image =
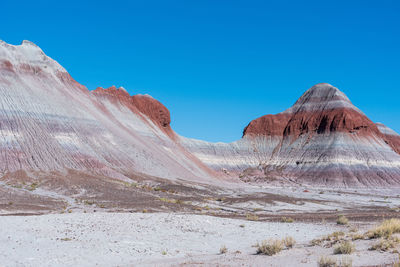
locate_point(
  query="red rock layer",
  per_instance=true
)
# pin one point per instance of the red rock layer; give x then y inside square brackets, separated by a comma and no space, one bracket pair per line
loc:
[268,125]
[322,109]
[393,141]
[141,104]
[326,121]
[286,124]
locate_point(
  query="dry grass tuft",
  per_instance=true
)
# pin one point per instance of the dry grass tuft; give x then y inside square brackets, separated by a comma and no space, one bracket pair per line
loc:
[342,220]
[223,250]
[357,236]
[287,220]
[316,242]
[345,247]
[331,239]
[346,262]
[397,264]
[335,236]
[289,242]
[252,217]
[386,229]
[385,244]
[326,261]
[270,247]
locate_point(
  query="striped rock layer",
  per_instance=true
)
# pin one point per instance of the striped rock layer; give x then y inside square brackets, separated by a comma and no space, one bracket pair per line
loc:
[50,123]
[323,139]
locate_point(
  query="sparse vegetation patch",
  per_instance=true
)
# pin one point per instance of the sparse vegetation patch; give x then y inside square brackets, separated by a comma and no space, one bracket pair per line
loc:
[252,217]
[386,229]
[223,250]
[287,220]
[342,220]
[270,247]
[346,247]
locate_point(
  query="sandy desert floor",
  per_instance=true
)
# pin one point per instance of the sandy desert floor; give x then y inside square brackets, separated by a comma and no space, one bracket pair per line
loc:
[167,239]
[89,222]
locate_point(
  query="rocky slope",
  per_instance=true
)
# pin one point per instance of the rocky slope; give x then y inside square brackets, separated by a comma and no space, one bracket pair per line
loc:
[50,124]
[322,139]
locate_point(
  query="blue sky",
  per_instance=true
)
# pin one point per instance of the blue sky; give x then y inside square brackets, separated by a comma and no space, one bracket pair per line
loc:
[217,65]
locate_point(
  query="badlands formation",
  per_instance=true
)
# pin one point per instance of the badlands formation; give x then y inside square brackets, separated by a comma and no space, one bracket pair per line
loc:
[77,155]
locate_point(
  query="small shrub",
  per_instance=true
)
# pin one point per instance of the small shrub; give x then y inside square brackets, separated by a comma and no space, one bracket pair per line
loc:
[287,220]
[164,252]
[326,261]
[357,237]
[66,239]
[346,262]
[342,220]
[386,229]
[223,250]
[88,202]
[345,247]
[397,264]
[385,244]
[289,241]
[270,247]
[335,236]
[252,217]
[316,242]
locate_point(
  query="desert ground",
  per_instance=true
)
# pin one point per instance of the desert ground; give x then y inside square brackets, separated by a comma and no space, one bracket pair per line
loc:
[156,223]
[168,239]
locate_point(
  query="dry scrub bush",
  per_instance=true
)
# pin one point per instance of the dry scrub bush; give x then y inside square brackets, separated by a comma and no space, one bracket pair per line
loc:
[345,247]
[342,220]
[331,238]
[273,246]
[316,242]
[397,264]
[357,236]
[386,229]
[270,247]
[289,242]
[252,217]
[287,220]
[385,244]
[326,261]
[223,250]
[346,262]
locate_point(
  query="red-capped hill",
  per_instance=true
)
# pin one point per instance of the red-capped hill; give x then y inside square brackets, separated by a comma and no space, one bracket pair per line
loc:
[268,125]
[145,104]
[153,109]
[321,109]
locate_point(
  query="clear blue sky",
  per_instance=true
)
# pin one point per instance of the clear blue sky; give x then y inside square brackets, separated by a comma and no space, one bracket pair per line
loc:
[219,64]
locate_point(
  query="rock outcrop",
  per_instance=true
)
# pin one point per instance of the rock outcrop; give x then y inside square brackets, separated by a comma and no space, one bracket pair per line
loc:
[49,123]
[323,139]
